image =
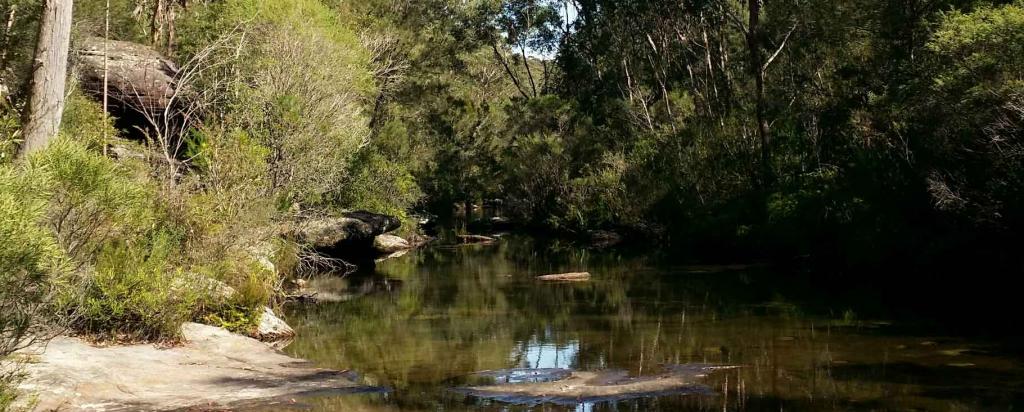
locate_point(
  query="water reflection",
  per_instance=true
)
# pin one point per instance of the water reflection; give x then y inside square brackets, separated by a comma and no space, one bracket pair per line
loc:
[461,310]
[536,353]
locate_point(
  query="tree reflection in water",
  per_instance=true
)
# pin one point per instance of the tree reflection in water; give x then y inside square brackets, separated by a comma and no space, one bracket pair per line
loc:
[462,310]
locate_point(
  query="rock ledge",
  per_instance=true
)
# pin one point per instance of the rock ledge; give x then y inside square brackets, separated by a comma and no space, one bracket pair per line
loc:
[213,370]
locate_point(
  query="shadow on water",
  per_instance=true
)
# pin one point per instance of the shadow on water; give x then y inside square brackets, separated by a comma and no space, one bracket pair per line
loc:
[424,323]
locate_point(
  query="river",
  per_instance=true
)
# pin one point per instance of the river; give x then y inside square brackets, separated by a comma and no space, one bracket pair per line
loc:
[420,324]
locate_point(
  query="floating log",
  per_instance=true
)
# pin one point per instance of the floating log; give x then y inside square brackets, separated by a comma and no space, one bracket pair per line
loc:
[475,239]
[566,277]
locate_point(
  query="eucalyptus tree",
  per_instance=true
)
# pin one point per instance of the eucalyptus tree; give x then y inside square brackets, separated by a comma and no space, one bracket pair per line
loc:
[42,114]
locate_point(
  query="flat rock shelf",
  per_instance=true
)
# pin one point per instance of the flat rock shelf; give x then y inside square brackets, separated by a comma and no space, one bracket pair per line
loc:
[568,387]
[214,369]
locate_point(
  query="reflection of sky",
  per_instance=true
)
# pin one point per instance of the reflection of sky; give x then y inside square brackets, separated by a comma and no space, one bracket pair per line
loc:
[538,352]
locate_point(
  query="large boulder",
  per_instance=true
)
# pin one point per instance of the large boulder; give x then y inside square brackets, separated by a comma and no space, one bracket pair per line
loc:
[271,328]
[352,230]
[390,244]
[330,232]
[138,76]
[378,222]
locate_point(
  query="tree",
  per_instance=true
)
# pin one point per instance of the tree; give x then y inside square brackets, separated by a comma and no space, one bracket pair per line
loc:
[45,106]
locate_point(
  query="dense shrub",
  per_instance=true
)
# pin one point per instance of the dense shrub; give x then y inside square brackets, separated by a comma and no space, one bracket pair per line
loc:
[90,199]
[298,84]
[135,292]
[377,184]
[29,259]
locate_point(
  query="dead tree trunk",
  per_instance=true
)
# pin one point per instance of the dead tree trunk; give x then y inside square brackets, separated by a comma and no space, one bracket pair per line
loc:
[49,73]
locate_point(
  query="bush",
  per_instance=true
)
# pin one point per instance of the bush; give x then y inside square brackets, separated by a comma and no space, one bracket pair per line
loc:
[91,199]
[377,184]
[298,85]
[29,257]
[143,257]
[135,292]
[85,121]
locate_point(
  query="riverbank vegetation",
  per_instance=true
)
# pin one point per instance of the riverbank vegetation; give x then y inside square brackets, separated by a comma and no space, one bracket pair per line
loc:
[856,131]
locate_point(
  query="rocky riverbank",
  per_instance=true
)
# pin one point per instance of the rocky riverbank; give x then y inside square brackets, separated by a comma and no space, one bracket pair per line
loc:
[213,369]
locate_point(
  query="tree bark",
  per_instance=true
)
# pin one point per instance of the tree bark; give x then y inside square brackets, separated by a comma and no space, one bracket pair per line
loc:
[49,73]
[757,70]
[7,39]
[156,23]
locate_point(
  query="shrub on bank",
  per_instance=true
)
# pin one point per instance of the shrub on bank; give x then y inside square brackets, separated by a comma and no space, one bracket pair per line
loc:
[121,251]
[29,257]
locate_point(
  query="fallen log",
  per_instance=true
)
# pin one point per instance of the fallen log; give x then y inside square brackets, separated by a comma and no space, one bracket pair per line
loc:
[566,277]
[475,239]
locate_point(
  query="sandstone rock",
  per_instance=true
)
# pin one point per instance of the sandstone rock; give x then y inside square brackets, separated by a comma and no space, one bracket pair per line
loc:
[125,151]
[390,244]
[352,229]
[565,386]
[264,255]
[139,77]
[378,223]
[330,232]
[271,328]
[200,283]
[213,370]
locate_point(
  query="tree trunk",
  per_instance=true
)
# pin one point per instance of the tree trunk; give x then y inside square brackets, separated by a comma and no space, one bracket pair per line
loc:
[757,70]
[7,39]
[49,74]
[156,23]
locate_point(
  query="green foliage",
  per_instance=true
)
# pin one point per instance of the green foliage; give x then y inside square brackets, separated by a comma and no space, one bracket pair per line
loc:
[297,88]
[975,115]
[91,199]
[238,320]
[17,44]
[29,258]
[8,391]
[135,292]
[10,132]
[129,20]
[84,121]
[379,185]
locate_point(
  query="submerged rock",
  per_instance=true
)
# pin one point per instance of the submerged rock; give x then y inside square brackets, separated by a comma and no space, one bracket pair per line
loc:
[214,369]
[564,386]
[566,277]
[337,289]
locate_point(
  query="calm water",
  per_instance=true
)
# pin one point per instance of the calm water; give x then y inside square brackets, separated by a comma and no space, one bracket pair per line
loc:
[421,323]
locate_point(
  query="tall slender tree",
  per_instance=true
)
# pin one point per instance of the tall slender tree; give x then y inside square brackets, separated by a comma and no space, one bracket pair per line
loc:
[42,115]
